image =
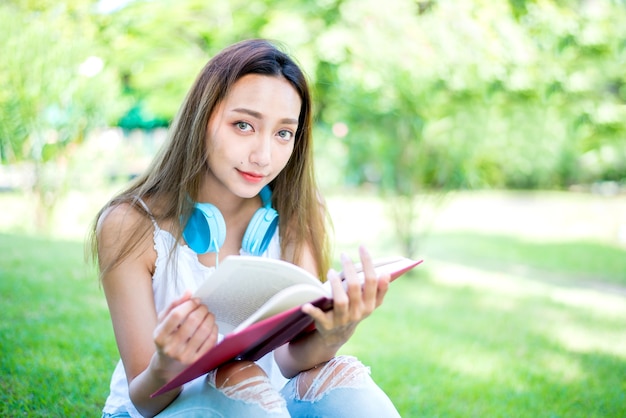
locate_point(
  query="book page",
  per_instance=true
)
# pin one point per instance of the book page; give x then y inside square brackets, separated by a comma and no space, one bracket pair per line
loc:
[394,266]
[295,295]
[242,284]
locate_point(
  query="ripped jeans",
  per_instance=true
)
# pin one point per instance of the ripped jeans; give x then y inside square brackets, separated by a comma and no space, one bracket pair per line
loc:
[341,388]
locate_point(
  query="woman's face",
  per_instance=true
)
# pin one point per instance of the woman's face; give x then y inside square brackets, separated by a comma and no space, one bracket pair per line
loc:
[251,134]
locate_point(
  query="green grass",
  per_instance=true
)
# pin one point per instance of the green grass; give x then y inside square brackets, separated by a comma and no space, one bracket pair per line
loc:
[465,351]
[575,261]
[442,345]
[56,339]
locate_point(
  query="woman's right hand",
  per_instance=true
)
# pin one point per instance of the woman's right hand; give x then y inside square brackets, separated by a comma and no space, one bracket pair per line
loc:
[184,332]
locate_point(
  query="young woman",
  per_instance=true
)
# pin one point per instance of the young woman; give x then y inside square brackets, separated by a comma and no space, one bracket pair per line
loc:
[241,141]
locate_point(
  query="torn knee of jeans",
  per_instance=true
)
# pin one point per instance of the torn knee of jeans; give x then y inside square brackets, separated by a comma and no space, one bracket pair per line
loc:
[339,372]
[251,386]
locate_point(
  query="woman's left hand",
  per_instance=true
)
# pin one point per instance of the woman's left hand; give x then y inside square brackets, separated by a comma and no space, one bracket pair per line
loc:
[350,305]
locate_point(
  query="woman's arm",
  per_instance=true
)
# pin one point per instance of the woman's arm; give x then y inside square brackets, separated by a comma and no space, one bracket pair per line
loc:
[153,348]
[335,327]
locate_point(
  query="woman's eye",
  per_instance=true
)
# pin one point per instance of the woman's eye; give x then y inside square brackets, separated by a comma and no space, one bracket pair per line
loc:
[243,126]
[286,135]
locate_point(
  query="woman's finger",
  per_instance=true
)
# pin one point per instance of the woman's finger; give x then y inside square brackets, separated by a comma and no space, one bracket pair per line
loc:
[317,314]
[167,327]
[383,286]
[185,297]
[341,299]
[190,325]
[353,288]
[202,334]
[370,283]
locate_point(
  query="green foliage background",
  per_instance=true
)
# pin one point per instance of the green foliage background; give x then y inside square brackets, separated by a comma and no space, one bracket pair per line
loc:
[410,95]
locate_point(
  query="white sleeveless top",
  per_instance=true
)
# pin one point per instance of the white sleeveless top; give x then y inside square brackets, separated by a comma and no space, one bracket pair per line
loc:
[172,277]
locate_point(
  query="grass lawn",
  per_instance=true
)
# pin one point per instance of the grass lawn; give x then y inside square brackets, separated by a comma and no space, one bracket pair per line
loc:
[574,262]
[447,348]
[56,340]
[473,332]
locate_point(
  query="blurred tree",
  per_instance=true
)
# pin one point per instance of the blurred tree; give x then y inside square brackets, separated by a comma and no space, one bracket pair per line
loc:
[58,88]
[159,46]
[422,96]
[411,97]
[443,95]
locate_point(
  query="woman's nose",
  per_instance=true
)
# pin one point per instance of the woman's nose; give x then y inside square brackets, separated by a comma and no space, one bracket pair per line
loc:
[261,152]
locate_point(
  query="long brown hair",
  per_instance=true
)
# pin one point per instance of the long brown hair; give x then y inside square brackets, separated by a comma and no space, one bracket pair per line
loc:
[177,170]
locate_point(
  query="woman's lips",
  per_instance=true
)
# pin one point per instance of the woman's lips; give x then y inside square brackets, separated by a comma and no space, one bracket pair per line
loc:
[251,177]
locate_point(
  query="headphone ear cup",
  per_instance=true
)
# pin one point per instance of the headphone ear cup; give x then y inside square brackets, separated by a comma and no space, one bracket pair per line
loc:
[260,231]
[205,230]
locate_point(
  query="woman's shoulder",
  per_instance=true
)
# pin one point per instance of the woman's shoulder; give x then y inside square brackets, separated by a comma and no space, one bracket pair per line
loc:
[122,229]
[124,240]
[119,219]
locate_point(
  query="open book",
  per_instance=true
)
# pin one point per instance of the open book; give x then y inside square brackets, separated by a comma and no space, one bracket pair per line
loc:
[256,302]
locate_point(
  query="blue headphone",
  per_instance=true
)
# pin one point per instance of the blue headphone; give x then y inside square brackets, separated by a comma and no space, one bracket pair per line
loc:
[206,230]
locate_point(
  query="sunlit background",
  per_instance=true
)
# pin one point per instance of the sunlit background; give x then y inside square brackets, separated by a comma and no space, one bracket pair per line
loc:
[487,137]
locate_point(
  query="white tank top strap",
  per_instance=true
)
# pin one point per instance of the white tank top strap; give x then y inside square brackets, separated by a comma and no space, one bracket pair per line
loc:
[148,211]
